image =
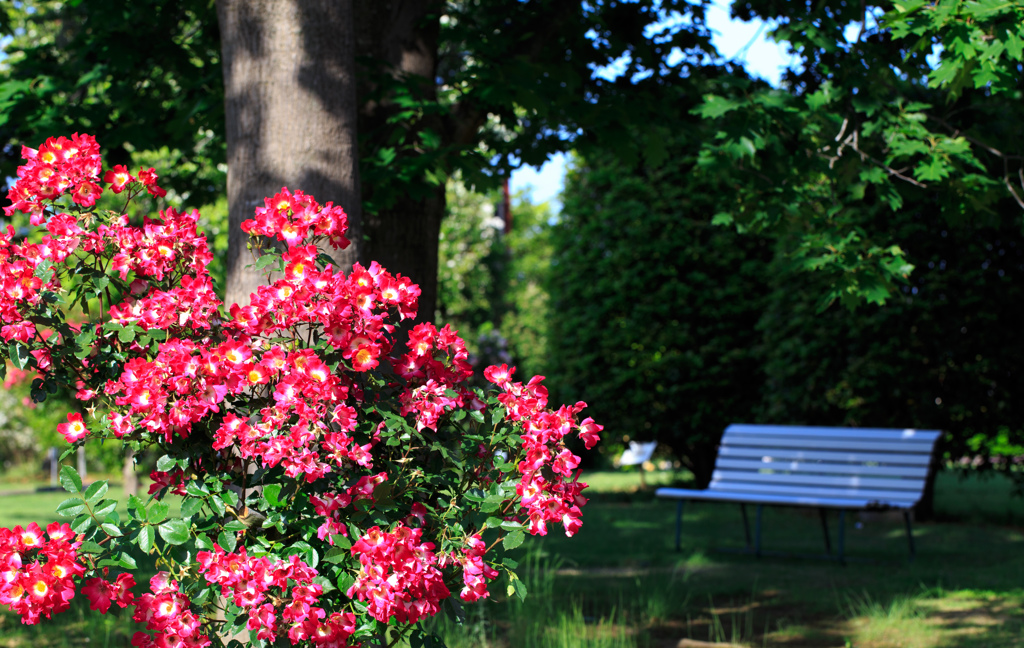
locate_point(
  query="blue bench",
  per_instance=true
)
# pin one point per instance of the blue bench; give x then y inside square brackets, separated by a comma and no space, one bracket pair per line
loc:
[819,467]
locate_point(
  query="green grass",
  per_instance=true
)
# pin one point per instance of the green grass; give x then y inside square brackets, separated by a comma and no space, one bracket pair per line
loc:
[619,583]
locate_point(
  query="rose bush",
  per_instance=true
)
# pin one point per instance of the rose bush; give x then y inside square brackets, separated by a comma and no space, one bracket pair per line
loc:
[334,492]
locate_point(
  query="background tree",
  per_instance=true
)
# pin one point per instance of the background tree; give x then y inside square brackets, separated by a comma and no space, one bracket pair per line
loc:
[477,86]
[494,270]
[864,121]
[942,354]
[656,309]
[139,76]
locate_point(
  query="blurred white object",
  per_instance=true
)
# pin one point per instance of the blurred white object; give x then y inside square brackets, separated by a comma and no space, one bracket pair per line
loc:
[637,453]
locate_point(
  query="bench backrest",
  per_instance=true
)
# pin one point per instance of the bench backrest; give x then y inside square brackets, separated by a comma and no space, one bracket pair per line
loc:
[887,467]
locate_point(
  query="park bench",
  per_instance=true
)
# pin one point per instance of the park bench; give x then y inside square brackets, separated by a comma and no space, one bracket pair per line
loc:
[819,467]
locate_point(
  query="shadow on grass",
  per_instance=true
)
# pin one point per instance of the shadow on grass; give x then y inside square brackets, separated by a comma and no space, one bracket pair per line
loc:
[620,583]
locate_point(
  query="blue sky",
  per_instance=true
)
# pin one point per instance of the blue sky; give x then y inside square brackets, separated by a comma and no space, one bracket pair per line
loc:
[735,39]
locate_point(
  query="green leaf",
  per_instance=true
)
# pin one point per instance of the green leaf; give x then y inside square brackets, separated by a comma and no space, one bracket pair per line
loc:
[175,531]
[111,530]
[336,555]
[513,539]
[147,535]
[104,508]
[158,512]
[166,463]
[90,547]
[138,506]
[266,259]
[195,489]
[271,492]
[227,541]
[235,525]
[190,507]
[715,106]
[44,270]
[96,491]
[71,507]
[201,597]
[19,354]
[341,541]
[126,561]
[70,480]
[345,581]
[126,335]
[520,588]
[82,523]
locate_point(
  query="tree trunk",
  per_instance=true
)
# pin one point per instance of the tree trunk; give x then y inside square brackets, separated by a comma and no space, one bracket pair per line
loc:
[399,38]
[290,104]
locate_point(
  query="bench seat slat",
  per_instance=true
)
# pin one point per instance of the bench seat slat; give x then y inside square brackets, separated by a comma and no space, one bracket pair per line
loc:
[814,481]
[829,432]
[793,500]
[864,445]
[870,494]
[818,467]
[790,454]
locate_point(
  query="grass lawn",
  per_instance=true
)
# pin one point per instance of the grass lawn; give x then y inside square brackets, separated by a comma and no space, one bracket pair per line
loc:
[619,582]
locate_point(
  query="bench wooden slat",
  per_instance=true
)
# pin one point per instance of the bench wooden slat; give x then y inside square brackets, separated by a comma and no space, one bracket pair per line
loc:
[761,498]
[870,494]
[839,468]
[790,454]
[818,432]
[815,481]
[871,445]
[821,467]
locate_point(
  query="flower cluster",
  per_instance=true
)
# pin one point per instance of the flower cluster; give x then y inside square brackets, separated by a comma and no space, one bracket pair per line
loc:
[554,498]
[352,309]
[102,593]
[331,505]
[167,611]
[269,590]
[60,165]
[295,407]
[37,572]
[475,572]
[436,369]
[294,217]
[399,577]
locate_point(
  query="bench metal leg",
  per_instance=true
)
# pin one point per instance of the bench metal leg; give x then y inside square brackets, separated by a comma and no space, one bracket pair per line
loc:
[757,540]
[910,533]
[824,528]
[842,530]
[679,522]
[746,524]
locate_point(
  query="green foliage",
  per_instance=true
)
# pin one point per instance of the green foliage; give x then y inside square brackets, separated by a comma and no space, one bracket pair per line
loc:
[471,257]
[527,320]
[653,308]
[139,76]
[857,131]
[981,42]
[28,429]
[491,284]
[941,354]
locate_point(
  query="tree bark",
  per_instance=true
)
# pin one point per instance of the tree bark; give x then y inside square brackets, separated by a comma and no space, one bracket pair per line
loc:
[400,38]
[290,104]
